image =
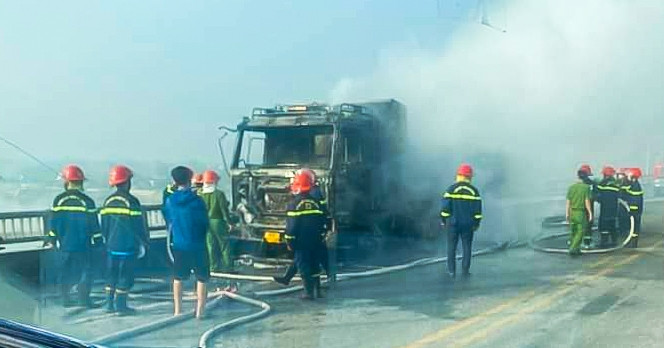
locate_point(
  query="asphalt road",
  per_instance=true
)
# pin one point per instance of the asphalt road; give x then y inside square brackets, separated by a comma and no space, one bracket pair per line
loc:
[515,298]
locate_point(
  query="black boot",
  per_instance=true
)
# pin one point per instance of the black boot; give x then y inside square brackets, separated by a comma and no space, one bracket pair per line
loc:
[281,280]
[318,290]
[308,288]
[110,298]
[66,296]
[122,308]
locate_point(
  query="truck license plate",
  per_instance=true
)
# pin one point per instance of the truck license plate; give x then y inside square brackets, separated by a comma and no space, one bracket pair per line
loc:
[272,237]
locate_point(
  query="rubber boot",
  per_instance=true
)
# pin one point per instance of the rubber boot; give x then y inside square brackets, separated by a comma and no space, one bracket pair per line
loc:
[66,297]
[318,290]
[84,296]
[308,288]
[121,305]
[110,297]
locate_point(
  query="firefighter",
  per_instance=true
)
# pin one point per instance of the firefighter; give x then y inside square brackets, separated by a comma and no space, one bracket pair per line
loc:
[461,213]
[305,223]
[607,196]
[125,231]
[634,194]
[588,180]
[197,182]
[317,193]
[187,218]
[218,242]
[623,214]
[578,211]
[74,229]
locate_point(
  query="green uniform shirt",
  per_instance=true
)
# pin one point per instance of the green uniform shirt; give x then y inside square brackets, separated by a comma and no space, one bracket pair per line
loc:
[217,205]
[577,195]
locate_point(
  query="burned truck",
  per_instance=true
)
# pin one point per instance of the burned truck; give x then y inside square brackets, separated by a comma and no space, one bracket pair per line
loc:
[354,149]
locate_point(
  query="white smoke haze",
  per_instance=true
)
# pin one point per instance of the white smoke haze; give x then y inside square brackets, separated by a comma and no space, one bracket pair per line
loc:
[569,82]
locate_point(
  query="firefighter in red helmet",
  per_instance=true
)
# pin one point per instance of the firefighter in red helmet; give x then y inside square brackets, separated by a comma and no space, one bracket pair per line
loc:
[74,229]
[125,231]
[462,213]
[607,197]
[305,224]
[634,195]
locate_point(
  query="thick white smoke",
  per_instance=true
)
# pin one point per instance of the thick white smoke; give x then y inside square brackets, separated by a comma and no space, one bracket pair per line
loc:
[569,82]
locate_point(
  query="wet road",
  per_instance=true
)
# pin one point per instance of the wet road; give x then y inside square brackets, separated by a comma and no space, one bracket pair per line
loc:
[515,298]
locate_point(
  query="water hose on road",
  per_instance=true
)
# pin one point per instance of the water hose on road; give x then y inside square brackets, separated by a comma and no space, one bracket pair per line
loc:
[555,222]
[212,332]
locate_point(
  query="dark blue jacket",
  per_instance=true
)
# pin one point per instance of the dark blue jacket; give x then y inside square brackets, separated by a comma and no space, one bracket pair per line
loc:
[305,222]
[187,220]
[607,197]
[123,225]
[461,206]
[634,195]
[74,221]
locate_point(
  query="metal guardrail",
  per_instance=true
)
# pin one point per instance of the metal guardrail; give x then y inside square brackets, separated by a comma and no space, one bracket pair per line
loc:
[29,226]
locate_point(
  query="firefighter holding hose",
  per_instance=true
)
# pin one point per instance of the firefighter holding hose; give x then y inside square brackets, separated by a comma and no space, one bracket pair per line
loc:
[578,211]
[462,213]
[634,195]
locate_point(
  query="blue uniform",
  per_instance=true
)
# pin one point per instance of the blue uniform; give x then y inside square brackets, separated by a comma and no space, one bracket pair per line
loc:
[634,198]
[607,197]
[305,226]
[187,220]
[75,227]
[124,229]
[461,211]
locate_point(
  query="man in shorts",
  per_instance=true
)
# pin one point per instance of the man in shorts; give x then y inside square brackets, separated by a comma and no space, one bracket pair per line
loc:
[187,221]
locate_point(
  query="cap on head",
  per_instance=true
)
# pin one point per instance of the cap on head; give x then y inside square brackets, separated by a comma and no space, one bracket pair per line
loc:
[181,175]
[119,174]
[72,172]
[465,170]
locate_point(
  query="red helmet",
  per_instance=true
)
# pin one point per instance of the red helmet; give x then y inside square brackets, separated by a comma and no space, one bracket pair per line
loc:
[210,177]
[197,179]
[465,170]
[309,172]
[608,171]
[301,183]
[72,172]
[119,174]
[586,169]
[635,172]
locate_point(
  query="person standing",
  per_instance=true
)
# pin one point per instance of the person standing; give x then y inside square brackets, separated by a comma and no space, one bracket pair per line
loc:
[187,221]
[218,242]
[607,197]
[635,201]
[587,241]
[461,213]
[74,229]
[305,223]
[578,212]
[127,238]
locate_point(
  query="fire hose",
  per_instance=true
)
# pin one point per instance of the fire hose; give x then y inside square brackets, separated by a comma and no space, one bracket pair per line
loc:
[534,243]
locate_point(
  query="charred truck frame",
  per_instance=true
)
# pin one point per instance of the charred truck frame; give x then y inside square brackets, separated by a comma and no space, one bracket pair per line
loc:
[355,150]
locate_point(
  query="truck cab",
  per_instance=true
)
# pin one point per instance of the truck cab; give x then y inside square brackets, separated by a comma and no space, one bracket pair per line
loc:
[354,149]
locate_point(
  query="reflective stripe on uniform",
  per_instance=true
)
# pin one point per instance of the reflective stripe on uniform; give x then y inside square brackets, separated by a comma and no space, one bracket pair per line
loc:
[634,193]
[97,235]
[287,236]
[120,211]
[468,189]
[73,209]
[51,234]
[633,207]
[304,212]
[478,216]
[445,214]
[608,188]
[461,196]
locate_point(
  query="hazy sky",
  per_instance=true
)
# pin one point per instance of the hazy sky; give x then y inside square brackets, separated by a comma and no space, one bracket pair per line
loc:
[153,79]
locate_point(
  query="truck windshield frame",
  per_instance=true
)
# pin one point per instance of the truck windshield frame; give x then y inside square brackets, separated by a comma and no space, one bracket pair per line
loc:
[284,147]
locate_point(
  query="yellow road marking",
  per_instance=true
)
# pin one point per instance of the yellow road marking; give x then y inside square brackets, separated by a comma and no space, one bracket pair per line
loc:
[540,304]
[449,330]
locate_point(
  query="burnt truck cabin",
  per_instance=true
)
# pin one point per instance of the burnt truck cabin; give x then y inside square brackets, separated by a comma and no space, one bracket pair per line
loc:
[355,150]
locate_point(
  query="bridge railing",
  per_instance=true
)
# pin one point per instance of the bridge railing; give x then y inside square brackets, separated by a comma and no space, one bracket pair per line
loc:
[29,226]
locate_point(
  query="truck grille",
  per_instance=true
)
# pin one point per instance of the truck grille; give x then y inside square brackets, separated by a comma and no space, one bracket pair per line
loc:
[276,202]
